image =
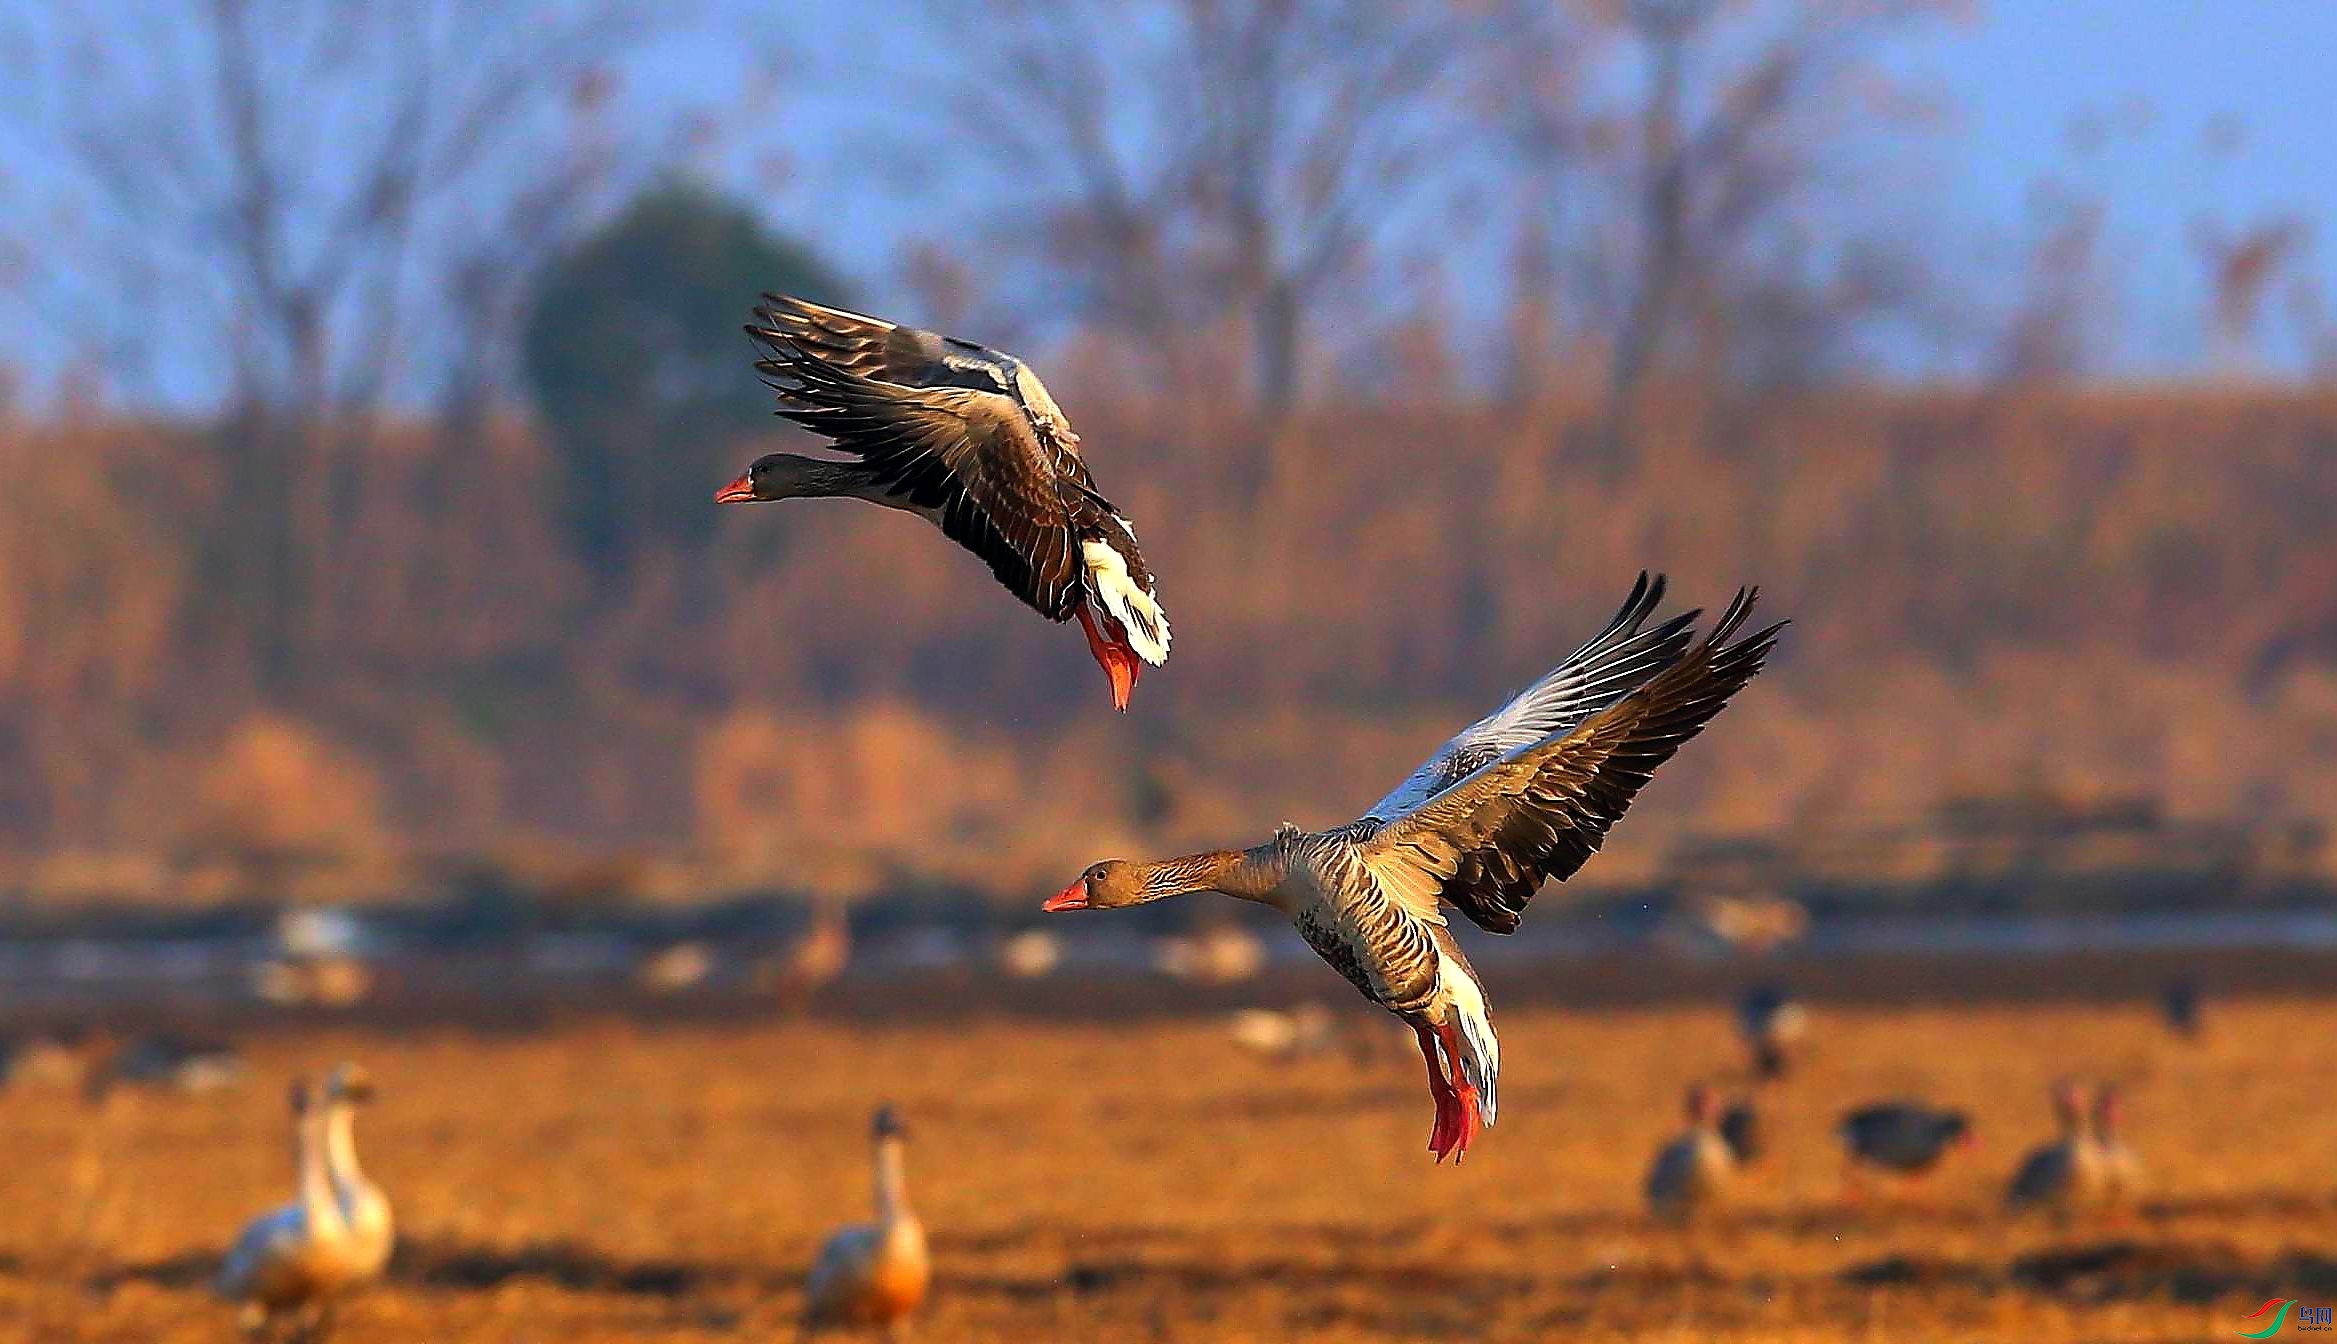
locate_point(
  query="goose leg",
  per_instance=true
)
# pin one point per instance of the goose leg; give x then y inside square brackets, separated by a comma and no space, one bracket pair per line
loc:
[1440,1139]
[1465,1109]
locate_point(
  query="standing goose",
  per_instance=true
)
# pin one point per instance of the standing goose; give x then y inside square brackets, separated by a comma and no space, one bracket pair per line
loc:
[1772,1023]
[875,1273]
[966,438]
[1694,1170]
[364,1208]
[2121,1170]
[286,1266]
[2067,1172]
[1524,795]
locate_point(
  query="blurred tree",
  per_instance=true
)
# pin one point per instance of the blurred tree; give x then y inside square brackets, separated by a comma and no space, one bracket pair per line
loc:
[296,212]
[1200,164]
[1679,146]
[636,362]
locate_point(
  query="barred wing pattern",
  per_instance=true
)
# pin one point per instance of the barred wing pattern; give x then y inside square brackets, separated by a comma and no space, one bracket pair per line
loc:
[1604,670]
[1488,843]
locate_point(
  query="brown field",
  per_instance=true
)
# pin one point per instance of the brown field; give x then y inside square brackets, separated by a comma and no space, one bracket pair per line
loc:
[1094,1181]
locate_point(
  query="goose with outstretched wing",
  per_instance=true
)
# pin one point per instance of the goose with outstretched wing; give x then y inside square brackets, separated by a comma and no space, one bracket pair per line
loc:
[1525,795]
[967,438]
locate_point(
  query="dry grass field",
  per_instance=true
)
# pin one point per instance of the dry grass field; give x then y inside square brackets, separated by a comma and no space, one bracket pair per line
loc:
[1100,1181]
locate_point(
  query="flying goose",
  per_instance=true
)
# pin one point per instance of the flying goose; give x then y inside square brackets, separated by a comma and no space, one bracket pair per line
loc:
[874,1273]
[966,438]
[287,1265]
[364,1208]
[1693,1171]
[1524,795]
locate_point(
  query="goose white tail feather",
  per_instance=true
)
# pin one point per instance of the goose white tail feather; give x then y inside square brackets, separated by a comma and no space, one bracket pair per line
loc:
[1481,1058]
[1138,615]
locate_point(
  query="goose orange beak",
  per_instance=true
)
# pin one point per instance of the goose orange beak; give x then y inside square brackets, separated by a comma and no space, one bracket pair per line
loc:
[1118,661]
[1073,897]
[740,491]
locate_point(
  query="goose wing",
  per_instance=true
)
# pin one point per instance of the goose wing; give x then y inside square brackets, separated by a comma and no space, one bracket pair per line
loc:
[969,459]
[1602,671]
[1486,844]
[908,357]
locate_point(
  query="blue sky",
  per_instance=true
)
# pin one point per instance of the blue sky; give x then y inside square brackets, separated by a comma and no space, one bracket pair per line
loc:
[2160,80]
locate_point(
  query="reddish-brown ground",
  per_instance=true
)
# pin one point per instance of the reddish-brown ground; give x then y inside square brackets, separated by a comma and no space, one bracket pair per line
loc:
[1148,1181]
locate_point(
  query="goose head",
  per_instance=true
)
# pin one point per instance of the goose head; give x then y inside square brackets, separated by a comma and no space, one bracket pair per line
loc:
[349,1084]
[887,1124]
[1104,886]
[789,476]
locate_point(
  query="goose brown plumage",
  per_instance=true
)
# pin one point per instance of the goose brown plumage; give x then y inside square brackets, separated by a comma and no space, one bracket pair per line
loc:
[969,439]
[1525,795]
[1695,1170]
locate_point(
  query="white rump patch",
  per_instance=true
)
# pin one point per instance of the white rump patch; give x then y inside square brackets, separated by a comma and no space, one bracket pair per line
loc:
[1481,1059]
[1141,618]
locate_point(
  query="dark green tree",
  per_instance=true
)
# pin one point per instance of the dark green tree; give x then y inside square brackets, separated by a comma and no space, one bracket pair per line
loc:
[638,367]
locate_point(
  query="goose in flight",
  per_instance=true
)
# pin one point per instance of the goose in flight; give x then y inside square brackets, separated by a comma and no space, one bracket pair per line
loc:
[874,1273]
[966,438]
[287,1265]
[1524,795]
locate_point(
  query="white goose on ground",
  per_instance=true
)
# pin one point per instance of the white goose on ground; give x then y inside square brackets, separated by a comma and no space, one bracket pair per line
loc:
[1522,796]
[287,1265]
[873,1273]
[967,438]
[364,1208]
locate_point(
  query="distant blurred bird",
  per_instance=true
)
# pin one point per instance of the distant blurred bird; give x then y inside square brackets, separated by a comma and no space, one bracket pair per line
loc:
[1522,796]
[967,438]
[1903,1137]
[2067,1173]
[674,968]
[1773,1024]
[1694,1171]
[1308,1029]
[365,1210]
[2178,1003]
[160,1060]
[1029,954]
[1221,954]
[42,1058]
[816,959]
[2121,1171]
[287,1266]
[875,1273]
[1740,1127]
[1753,923]
[324,982]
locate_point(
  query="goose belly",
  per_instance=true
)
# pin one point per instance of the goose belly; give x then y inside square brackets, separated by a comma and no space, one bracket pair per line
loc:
[1380,950]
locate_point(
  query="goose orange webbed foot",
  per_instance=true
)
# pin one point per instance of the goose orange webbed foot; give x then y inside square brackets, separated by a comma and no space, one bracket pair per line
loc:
[1457,1110]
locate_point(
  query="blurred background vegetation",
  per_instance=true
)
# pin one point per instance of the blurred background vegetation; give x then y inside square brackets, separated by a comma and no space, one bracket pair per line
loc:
[371,367]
